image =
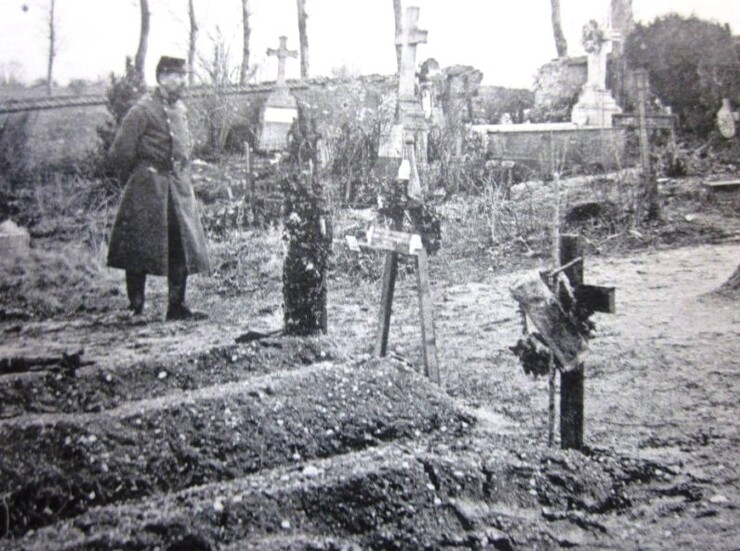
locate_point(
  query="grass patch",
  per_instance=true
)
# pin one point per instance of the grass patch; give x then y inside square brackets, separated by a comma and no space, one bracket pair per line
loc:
[51,283]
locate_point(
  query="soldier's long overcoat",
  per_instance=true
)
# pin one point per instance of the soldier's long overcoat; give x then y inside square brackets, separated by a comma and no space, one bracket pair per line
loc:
[151,151]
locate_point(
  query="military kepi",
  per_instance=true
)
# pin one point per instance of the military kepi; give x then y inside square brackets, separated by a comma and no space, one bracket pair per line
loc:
[170,65]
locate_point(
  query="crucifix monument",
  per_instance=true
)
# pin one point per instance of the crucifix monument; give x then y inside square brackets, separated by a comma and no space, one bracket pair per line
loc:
[595,105]
[410,123]
[281,108]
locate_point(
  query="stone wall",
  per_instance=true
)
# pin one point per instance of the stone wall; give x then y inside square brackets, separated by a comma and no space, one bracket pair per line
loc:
[556,89]
[582,148]
[53,136]
[230,116]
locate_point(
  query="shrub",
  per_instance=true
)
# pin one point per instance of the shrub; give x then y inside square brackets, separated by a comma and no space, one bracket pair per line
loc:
[692,65]
[14,146]
[54,283]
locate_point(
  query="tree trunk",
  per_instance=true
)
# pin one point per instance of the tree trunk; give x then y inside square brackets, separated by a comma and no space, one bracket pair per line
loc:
[246,31]
[557,29]
[191,45]
[52,47]
[140,58]
[303,36]
[398,17]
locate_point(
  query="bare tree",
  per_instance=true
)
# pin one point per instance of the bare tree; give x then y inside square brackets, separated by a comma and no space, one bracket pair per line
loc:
[303,36]
[557,29]
[398,14]
[247,30]
[140,58]
[193,37]
[52,47]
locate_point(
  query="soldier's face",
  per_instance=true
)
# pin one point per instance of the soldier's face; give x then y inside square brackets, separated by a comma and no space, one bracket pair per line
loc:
[172,83]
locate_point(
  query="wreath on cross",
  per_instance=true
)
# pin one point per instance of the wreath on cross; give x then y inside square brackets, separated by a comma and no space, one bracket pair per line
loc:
[593,37]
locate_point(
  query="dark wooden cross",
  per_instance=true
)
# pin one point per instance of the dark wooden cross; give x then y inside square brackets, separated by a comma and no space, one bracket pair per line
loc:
[409,36]
[282,54]
[555,323]
[590,298]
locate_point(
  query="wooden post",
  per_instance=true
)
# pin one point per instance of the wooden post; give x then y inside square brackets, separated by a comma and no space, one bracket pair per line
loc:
[551,400]
[571,382]
[428,338]
[386,303]
[650,185]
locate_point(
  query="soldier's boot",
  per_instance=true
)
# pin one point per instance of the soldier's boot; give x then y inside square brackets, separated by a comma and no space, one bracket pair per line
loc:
[176,309]
[135,289]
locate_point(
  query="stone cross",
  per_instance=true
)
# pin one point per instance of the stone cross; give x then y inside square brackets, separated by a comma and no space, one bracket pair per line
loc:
[597,44]
[282,54]
[408,38]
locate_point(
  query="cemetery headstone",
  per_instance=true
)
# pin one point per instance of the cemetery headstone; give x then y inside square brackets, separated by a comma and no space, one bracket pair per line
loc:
[595,106]
[281,108]
[726,120]
[410,122]
[14,240]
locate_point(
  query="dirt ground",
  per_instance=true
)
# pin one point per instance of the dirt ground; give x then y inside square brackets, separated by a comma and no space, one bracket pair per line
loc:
[177,437]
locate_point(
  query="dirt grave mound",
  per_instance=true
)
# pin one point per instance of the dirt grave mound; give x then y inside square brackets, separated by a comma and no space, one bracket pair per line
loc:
[440,490]
[104,386]
[60,465]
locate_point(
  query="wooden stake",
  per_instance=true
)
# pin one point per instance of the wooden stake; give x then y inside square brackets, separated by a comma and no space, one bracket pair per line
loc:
[649,184]
[429,345]
[390,273]
[386,304]
[551,401]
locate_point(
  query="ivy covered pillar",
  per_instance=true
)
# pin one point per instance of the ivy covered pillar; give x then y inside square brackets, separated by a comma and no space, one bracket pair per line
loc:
[307,231]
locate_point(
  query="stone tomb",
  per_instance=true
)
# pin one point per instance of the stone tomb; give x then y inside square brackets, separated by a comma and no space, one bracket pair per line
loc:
[281,108]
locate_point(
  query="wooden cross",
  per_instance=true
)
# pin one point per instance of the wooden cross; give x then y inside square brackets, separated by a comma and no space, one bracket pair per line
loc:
[594,299]
[558,330]
[395,242]
[282,54]
[409,36]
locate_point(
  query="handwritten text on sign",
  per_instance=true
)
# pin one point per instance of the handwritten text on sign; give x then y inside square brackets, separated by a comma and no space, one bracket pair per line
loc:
[383,239]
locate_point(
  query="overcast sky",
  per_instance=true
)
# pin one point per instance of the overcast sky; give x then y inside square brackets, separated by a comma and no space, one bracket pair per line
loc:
[506,39]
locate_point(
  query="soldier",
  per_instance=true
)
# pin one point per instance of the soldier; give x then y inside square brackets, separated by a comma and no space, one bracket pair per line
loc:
[157,229]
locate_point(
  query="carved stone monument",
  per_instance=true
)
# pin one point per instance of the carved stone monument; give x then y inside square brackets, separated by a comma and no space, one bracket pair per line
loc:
[410,123]
[281,108]
[595,105]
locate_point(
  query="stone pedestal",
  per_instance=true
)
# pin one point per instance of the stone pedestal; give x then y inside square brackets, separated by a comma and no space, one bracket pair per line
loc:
[14,240]
[278,114]
[281,108]
[412,125]
[595,108]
